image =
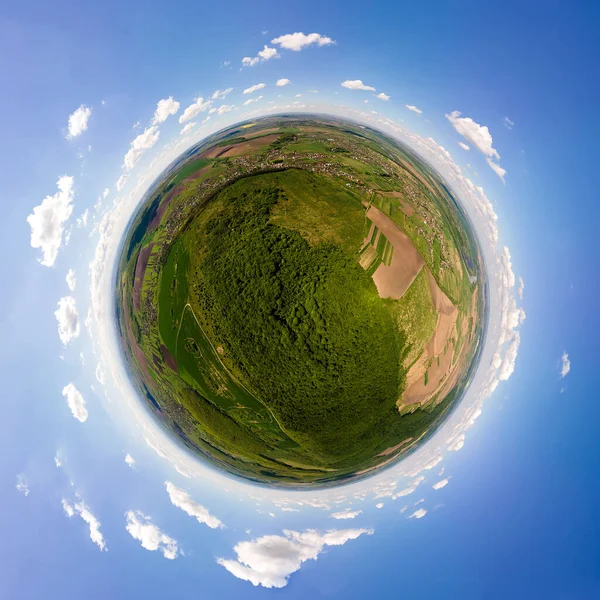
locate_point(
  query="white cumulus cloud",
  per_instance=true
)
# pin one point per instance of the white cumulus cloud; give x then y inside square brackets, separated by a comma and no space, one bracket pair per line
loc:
[464,146]
[410,489]
[496,168]
[187,128]
[297,41]
[282,82]
[265,54]
[71,279]
[521,288]
[249,61]
[252,100]
[181,499]
[221,94]
[254,88]
[68,319]
[382,96]
[140,144]
[121,182]
[414,108]
[480,137]
[130,461]
[418,514]
[85,513]
[357,84]
[48,220]
[76,402]
[270,560]
[346,514]
[565,365]
[141,528]
[164,109]
[22,485]
[199,105]
[441,484]
[225,108]
[78,121]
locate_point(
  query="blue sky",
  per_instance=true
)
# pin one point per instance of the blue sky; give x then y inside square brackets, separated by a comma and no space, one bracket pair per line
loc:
[518,516]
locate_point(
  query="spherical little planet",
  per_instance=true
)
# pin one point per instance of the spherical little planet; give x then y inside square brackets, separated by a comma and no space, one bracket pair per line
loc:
[300,300]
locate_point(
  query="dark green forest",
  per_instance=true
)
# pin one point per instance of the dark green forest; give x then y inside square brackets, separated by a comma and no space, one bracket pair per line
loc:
[304,325]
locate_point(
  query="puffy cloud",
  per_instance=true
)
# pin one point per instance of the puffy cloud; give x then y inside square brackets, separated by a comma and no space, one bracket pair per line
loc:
[71,280]
[249,61]
[346,514]
[22,485]
[141,528]
[297,41]
[68,319]
[221,94]
[565,365]
[130,461]
[181,499]
[122,181]
[252,100]
[225,108]
[254,88]
[271,559]
[479,136]
[78,121]
[187,128]
[521,288]
[418,514]
[496,168]
[140,144]
[425,466]
[282,82]
[100,376]
[457,443]
[507,366]
[76,402]
[441,484]
[464,146]
[83,219]
[379,505]
[68,508]
[199,105]
[85,513]
[410,489]
[414,108]
[265,54]
[357,84]
[48,219]
[382,96]
[165,108]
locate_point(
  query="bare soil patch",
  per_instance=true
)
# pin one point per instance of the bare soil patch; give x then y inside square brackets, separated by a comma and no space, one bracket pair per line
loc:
[162,209]
[168,358]
[406,207]
[392,281]
[394,448]
[248,147]
[439,349]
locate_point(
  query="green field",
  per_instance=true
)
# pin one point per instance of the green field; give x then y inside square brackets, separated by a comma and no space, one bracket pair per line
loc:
[267,348]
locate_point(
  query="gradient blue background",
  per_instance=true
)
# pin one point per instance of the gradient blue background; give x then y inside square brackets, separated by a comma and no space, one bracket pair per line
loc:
[520,516]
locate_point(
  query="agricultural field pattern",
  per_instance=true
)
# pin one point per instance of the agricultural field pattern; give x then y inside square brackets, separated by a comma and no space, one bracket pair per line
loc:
[301,300]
